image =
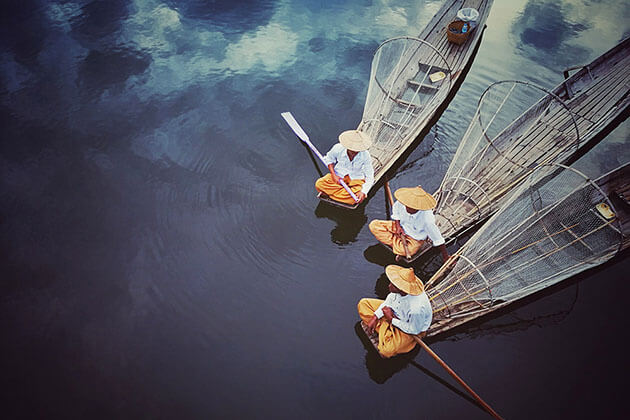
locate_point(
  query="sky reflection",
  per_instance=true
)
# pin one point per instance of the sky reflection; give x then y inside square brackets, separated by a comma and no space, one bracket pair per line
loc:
[565,33]
[161,238]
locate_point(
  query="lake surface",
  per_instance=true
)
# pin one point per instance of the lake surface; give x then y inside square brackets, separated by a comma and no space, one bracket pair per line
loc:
[163,252]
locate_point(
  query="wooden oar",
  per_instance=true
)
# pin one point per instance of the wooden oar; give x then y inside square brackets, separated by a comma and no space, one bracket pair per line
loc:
[299,131]
[457,378]
[391,204]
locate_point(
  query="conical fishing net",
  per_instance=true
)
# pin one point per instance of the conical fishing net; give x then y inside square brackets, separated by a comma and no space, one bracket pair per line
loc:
[409,79]
[551,227]
[516,127]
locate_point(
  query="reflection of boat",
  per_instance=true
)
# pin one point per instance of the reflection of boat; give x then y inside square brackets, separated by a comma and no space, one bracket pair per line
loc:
[498,151]
[555,224]
[411,78]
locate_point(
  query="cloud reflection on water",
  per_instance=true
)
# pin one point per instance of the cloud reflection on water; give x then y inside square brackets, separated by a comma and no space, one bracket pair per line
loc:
[566,33]
[186,52]
[140,172]
[138,61]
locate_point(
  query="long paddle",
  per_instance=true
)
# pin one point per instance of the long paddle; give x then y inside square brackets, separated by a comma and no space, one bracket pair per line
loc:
[457,378]
[391,204]
[288,117]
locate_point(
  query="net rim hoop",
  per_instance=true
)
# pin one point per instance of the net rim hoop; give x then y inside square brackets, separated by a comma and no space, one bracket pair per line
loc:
[422,41]
[484,280]
[448,220]
[534,85]
[470,219]
[458,177]
[387,123]
[597,187]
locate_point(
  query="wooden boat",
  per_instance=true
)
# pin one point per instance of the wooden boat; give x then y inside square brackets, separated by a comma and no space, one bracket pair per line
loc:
[329,200]
[372,337]
[556,224]
[497,153]
[390,199]
[411,81]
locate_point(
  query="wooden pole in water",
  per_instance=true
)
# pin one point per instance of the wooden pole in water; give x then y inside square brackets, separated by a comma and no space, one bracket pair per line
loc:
[391,204]
[457,378]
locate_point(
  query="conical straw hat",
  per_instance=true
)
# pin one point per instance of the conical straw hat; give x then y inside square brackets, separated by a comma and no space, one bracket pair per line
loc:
[355,140]
[405,279]
[416,198]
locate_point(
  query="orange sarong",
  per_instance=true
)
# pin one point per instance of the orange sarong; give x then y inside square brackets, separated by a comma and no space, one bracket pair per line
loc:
[335,191]
[383,230]
[391,340]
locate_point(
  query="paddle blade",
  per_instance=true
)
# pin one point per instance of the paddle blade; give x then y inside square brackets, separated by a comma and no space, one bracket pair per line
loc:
[288,117]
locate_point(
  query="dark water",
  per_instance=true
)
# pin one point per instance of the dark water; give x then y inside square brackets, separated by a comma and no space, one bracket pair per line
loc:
[163,252]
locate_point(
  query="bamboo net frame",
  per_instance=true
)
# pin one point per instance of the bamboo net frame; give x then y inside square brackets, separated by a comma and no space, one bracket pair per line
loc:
[401,94]
[548,230]
[498,150]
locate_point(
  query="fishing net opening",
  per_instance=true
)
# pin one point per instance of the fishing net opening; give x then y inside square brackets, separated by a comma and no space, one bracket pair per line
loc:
[467,290]
[408,77]
[550,228]
[516,127]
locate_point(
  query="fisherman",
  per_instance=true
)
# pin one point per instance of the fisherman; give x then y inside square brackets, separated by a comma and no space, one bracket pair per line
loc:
[413,221]
[405,312]
[348,160]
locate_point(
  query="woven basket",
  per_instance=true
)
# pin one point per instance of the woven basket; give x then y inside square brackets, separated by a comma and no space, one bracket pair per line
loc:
[457,37]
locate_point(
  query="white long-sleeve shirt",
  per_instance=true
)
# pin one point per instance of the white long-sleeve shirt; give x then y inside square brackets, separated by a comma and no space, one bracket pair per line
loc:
[419,225]
[414,312]
[358,168]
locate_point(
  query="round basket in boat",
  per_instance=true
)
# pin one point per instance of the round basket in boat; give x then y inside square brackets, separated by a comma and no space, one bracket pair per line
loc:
[453,32]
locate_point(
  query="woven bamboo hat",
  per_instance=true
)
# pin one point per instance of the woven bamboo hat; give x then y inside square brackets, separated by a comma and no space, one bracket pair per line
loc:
[355,140]
[405,279]
[416,198]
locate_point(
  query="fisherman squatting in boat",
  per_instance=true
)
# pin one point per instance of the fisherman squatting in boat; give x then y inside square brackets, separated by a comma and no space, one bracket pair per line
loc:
[405,312]
[413,221]
[348,160]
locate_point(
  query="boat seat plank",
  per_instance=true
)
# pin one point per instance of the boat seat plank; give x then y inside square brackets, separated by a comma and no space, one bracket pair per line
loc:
[421,85]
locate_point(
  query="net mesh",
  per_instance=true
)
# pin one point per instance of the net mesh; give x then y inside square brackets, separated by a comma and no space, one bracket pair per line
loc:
[401,94]
[516,127]
[549,229]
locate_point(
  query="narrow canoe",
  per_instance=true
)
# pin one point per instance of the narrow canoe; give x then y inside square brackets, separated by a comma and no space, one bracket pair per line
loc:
[412,80]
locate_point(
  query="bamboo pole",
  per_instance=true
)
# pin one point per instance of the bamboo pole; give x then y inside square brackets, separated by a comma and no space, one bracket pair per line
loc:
[457,378]
[391,204]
